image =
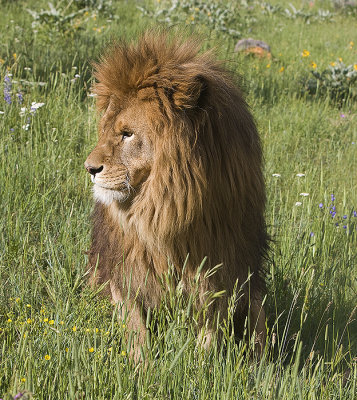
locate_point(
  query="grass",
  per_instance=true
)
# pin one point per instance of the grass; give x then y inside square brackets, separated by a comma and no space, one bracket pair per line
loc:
[59,340]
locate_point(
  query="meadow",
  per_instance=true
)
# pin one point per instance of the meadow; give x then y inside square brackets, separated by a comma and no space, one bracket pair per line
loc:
[60,340]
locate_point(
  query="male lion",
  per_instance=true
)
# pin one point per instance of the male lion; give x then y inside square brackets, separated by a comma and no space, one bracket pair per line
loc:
[177,171]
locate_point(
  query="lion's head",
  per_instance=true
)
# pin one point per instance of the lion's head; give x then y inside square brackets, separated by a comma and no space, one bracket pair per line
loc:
[177,168]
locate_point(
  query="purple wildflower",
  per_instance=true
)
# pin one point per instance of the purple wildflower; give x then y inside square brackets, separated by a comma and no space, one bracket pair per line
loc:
[18,395]
[344,227]
[333,208]
[342,115]
[7,89]
[20,98]
[321,205]
[312,234]
[332,197]
[337,224]
[355,213]
[333,213]
[344,217]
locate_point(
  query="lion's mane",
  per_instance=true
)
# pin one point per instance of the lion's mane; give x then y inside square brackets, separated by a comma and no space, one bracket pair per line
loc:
[205,195]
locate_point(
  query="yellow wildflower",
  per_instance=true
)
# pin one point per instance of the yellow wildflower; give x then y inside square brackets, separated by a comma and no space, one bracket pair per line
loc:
[28,305]
[17,299]
[268,65]
[45,320]
[62,322]
[29,320]
[305,53]
[66,349]
[192,17]
[123,326]
[47,357]
[91,349]
[74,329]
[51,322]
[332,64]
[123,353]
[340,59]
[2,61]
[110,349]
[96,330]
[23,379]
[355,67]
[313,65]
[9,320]
[15,56]
[281,69]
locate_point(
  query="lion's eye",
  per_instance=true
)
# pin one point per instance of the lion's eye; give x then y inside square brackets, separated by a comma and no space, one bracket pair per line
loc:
[125,134]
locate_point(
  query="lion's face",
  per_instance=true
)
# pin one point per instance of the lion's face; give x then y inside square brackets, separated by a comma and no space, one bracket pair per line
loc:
[122,159]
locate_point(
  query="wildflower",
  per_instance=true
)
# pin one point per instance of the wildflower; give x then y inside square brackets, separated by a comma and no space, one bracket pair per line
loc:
[15,56]
[28,305]
[23,379]
[342,115]
[340,59]
[355,67]
[312,234]
[298,203]
[332,64]
[276,175]
[74,329]
[333,213]
[305,53]
[268,65]
[7,89]
[62,322]
[91,349]
[304,194]
[123,326]
[110,349]
[17,299]
[9,320]
[51,322]
[96,330]
[332,197]
[35,106]
[18,395]
[281,69]
[47,357]
[26,127]
[321,205]
[66,349]
[2,61]
[344,217]
[300,175]
[29,320]
[344,227]
[313,65]
[355,213]
[123,353]
[45,320]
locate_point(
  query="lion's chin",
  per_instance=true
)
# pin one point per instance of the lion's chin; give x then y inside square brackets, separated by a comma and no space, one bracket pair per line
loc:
[108,196]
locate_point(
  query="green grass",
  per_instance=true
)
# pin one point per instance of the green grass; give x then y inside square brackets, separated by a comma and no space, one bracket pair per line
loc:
[46,203]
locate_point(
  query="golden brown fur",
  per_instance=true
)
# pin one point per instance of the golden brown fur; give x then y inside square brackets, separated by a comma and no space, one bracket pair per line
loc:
[186,179]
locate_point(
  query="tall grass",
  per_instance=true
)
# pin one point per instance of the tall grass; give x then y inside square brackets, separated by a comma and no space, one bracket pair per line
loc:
[58,339]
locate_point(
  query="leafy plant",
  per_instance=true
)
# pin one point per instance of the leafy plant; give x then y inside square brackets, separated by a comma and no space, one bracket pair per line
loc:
[55,20]
[221,18]
[338,81]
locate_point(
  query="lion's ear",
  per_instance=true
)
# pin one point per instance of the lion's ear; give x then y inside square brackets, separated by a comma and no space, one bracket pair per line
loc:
[190,93]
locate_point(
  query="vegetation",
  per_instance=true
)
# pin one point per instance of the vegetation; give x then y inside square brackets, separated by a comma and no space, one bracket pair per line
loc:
[58,339]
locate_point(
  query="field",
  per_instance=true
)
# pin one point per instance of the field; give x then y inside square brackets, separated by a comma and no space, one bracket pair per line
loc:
[58,339]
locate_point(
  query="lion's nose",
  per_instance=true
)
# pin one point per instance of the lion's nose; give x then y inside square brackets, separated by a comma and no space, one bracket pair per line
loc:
[93,170]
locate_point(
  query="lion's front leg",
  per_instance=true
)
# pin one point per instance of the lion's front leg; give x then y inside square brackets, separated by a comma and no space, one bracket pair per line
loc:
[257,324]
[130,312]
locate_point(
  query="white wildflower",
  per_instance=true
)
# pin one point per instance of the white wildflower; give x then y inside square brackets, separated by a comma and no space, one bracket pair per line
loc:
[300,175]
[35,106]
[304,194]
[298,203]
[22,111]
[26,127]
[277,175]
[2,112]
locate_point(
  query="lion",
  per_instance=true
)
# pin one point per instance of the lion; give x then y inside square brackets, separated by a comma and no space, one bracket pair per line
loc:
[177,176]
